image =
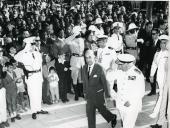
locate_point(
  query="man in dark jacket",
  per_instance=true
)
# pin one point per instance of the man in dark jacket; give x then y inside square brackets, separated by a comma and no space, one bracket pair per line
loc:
[146,35]
[95,86]
[153,47]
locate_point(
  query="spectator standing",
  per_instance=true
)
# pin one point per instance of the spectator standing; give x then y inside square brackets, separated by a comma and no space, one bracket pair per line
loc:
[54,86]
[146,35]
[154,47]
[20,85]
[49,62]
[76,44]
[9,83]
[61,69]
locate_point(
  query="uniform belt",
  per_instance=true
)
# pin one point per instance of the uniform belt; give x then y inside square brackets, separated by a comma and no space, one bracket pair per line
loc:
[119,51]
[110,48]
[77,55]
[131,48]
[34,71]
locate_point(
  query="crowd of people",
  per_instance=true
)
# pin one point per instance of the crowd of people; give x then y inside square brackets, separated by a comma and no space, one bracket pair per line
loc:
[44,47]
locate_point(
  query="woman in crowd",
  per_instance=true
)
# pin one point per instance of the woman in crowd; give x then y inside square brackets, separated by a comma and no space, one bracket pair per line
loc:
[49,62]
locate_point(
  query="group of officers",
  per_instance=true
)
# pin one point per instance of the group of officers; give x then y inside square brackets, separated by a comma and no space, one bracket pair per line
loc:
[96,75]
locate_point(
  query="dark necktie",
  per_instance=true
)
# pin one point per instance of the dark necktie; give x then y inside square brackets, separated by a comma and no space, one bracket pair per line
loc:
[89,72]
[33,55]
[118,37]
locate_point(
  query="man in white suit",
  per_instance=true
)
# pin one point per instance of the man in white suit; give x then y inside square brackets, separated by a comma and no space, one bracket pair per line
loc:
[32,61]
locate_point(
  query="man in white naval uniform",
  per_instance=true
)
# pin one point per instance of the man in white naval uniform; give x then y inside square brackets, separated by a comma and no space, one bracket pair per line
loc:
[76,44]
[116,41]
[159,63]
[105,56]
[130,90]
[161,120]
[32,61]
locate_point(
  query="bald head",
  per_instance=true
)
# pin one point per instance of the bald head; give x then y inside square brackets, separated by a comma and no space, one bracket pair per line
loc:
[90,57]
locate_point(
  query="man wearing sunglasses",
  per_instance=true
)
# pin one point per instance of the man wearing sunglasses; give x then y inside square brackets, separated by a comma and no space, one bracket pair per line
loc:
[154,46]
[32,61]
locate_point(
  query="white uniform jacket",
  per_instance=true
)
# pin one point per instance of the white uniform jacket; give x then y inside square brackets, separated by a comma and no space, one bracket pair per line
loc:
[105,56]
[158,64]
[131,87]
[115,42]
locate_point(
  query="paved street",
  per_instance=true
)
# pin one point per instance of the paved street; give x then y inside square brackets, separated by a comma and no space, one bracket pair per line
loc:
[72,115]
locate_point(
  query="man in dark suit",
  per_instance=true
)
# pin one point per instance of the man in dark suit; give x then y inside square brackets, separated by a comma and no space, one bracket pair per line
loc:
[154,45]
[146,35]
[95,86]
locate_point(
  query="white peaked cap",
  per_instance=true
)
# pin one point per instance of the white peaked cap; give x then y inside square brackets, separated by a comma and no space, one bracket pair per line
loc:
[164,37]
[92,28]
[99,36]
[117,24]
[29,40]
[125,58]
[98,21]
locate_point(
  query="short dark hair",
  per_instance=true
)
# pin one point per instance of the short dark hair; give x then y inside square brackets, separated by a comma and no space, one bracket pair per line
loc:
[12,61]
[88,32]
[149,22]
[52,68]
[7,64]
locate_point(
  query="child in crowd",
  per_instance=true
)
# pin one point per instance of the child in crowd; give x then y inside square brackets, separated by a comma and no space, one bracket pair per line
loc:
[9,82]
[20,85]
[53,83]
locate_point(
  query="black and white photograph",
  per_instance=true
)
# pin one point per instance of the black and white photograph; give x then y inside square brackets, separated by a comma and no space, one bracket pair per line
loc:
[84,64]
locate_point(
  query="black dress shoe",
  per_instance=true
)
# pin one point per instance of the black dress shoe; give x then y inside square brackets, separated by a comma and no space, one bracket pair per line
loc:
[76,98]
[6,124]
[64,101]
[42,112]
[121,122]
[156,126]
[67,100]
[114,121]
[82,95]
[151,93]
[13,119]
[18,117]
[49,103]
[34,116]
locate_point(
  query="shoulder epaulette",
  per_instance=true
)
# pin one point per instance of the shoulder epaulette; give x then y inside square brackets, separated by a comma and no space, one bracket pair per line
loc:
[137,70]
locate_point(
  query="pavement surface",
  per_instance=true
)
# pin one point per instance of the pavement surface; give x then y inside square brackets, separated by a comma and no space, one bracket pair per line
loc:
[73,115]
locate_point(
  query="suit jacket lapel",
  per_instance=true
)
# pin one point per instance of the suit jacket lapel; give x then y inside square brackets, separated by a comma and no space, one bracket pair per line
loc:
[86,71]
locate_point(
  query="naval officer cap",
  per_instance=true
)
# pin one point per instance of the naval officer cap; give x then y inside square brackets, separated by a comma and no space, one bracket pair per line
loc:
[30,40]
[116,25]
[100,36]
[164,37]
[125,58]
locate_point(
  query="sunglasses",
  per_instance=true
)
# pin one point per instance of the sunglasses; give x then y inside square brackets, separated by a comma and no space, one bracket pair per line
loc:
[153,33]
[33,43]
